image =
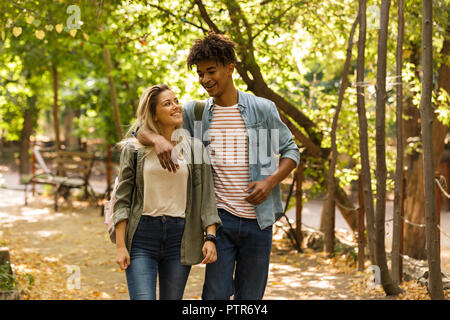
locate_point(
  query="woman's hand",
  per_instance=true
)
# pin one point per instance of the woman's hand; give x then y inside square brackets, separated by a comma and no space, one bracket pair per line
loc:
[209,252]
[122,258]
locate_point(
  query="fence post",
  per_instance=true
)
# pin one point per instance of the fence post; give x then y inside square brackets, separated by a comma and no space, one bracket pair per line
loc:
[438,208]
[361,211]
[299,203]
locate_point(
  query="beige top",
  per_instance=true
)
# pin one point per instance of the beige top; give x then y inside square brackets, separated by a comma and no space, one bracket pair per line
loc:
[164,192]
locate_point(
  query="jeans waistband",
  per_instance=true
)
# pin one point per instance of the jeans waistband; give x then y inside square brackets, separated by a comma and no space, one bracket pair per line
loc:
[228,213]
[163,219]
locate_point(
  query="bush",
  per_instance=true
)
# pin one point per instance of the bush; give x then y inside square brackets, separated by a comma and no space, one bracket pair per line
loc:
[7,278]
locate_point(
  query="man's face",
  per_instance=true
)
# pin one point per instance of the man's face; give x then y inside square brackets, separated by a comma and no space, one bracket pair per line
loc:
[214,76]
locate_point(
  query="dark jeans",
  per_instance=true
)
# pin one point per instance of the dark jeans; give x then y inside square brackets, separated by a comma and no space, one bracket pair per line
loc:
[239,241]
[156,250]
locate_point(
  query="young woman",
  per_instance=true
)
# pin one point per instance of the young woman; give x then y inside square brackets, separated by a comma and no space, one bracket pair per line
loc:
[162,217]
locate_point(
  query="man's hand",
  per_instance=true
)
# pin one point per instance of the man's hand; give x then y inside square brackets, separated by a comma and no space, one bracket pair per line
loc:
[167,154]
[261,190]
[164,149]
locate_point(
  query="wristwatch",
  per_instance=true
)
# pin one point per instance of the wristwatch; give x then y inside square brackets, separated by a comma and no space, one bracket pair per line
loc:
[134,132]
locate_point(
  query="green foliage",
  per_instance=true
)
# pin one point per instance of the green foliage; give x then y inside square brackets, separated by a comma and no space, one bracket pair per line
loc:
[7,279]
[299,47]
[443,106]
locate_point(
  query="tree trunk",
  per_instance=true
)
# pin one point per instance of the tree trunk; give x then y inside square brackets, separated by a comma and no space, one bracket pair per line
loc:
[414,237]
[71,141]
[112,89]
[329,217]
[426,110]
[398,198]
[55,107]
[363,136]
[29,119]
[341,198]
[380,122]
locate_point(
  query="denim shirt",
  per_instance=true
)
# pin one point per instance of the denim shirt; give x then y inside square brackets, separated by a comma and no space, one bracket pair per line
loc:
[267,137]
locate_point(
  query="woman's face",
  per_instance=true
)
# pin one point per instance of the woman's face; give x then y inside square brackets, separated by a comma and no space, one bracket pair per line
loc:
[169,112]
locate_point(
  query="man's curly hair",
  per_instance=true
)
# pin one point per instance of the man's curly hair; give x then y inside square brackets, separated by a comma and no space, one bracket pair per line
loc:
[212,47]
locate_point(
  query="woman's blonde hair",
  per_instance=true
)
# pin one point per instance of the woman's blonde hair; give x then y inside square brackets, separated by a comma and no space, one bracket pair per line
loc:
[145,113]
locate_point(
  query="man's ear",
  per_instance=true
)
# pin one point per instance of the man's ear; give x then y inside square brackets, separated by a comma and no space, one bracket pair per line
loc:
[230,68]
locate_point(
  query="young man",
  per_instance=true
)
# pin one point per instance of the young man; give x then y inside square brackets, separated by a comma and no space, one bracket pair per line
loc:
[242,133]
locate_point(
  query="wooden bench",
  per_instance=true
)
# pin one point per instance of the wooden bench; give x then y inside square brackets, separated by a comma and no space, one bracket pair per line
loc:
[71,169]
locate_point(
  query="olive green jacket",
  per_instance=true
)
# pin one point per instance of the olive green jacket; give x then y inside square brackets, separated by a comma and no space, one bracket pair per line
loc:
[201,210]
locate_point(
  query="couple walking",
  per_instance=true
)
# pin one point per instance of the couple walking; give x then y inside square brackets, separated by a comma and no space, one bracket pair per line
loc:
[200,184]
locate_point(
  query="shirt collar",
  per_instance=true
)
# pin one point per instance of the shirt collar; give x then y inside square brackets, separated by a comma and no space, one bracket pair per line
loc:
[210,101]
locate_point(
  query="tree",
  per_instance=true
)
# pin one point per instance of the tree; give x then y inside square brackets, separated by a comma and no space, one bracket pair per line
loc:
[414,237]
[434,263]
[380,252]
[112,85]
[328,216]
[363,135]
[55,110]
[398,194]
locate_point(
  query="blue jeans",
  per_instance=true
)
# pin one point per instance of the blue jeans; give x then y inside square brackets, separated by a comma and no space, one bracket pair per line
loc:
[156,250]
[239,241]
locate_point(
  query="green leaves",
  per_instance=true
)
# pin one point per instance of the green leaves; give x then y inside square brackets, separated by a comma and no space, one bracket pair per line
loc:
[7,278]
[299,47]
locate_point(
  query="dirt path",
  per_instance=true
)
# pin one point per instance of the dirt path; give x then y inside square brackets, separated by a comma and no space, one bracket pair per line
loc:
[54,249]
[53,246]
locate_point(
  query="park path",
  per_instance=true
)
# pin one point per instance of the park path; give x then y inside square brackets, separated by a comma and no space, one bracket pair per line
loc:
[53,247]
[311,217]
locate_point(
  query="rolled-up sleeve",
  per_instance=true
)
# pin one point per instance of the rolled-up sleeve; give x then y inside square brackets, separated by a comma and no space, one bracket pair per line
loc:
[125,185]
[286,146]
[209,215]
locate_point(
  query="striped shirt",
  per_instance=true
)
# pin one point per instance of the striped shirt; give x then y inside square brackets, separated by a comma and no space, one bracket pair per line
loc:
[229,160]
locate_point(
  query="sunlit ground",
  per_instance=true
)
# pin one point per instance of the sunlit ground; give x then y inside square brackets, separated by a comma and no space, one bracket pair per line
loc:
[48,249]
